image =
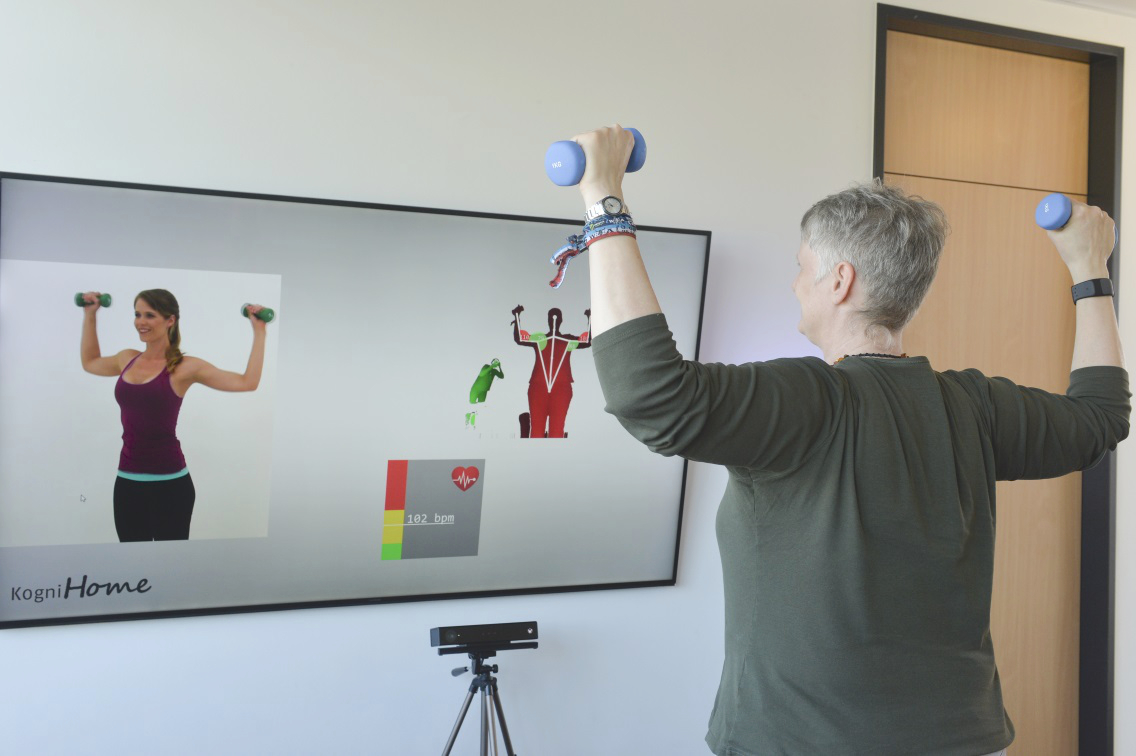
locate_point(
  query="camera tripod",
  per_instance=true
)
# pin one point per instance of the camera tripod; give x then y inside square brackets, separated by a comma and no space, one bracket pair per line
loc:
[484,681]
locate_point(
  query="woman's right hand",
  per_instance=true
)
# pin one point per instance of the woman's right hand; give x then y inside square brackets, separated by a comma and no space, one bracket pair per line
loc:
[607,151]
[92,301]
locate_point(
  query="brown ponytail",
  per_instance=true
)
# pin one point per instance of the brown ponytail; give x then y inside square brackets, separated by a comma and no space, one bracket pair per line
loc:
[166,305]
[173,352]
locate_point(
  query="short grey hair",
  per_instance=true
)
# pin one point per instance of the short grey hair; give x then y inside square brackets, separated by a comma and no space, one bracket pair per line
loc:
[892,239]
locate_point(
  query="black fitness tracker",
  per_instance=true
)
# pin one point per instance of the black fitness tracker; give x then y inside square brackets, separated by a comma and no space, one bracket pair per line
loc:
[1095,287]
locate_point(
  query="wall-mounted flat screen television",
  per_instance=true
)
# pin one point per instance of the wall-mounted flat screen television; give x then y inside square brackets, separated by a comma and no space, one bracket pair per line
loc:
[425,419]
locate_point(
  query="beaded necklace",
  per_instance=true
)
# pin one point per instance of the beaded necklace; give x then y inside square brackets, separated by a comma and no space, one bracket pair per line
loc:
[872,354]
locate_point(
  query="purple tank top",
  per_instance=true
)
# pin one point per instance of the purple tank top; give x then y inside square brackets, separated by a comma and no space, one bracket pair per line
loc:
[149,425]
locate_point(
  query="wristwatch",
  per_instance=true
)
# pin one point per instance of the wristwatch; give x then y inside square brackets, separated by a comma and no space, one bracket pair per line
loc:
[609,205]
[1094,287]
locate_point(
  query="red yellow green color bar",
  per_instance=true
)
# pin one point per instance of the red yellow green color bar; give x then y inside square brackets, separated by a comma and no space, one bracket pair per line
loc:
[394,514]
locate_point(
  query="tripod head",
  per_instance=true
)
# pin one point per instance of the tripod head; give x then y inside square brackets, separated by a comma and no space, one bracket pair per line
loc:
[478,653]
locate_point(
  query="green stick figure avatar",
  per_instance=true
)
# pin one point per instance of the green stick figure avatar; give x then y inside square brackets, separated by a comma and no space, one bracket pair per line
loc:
[480,388]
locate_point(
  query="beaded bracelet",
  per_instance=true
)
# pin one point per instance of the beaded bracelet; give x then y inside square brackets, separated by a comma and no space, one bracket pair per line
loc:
[598,228]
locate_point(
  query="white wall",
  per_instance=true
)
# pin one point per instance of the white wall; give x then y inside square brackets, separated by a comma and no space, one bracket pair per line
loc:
[751,110]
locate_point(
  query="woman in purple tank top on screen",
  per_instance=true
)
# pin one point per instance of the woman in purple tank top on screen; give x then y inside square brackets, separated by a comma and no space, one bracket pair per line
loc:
[153,493]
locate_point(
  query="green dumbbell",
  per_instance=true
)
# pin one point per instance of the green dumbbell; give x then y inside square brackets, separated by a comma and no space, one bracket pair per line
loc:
[104,300]
[265,314]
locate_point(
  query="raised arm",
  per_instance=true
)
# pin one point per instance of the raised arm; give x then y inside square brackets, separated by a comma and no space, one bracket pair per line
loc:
[621,290]
[1085,245]
[89,351]
[199,371]
[1037,434]
[585,338]
[517,328]
[770,416]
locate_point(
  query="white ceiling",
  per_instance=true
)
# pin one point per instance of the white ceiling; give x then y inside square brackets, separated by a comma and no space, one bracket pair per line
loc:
[1123,7]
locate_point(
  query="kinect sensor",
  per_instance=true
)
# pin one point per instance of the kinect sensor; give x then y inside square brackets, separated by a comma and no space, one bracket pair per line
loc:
[483,635]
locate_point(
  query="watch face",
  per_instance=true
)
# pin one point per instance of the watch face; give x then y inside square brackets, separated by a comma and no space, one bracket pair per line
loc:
[612,205]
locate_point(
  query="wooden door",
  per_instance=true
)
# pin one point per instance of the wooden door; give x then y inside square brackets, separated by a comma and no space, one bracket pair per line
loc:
[987,133]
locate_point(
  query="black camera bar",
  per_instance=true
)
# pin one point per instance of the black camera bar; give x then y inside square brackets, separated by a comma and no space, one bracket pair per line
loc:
[483,640]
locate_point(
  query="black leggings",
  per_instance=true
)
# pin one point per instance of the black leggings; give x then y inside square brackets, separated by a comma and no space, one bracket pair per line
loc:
[153,510]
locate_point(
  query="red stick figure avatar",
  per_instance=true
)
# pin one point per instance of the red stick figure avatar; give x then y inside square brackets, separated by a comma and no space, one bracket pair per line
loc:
[550,387]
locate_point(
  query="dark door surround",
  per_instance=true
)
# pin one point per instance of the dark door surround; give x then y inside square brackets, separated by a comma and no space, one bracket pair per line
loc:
[1098,487]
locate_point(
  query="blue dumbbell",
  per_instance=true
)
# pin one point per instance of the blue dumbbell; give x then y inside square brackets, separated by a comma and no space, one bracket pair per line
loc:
[564,162]
[1053,213]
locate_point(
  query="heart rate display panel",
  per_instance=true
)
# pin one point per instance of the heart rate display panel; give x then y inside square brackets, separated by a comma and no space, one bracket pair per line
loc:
[433,508]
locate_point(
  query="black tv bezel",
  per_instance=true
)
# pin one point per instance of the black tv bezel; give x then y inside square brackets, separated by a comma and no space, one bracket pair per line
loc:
[368,601]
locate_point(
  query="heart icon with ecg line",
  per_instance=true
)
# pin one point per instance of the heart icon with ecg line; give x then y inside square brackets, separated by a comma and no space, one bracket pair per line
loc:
[465,477]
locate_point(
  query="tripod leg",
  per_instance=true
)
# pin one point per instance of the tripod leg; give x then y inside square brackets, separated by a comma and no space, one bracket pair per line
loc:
[461,718]
[484,722]
[493,726]
[496,696]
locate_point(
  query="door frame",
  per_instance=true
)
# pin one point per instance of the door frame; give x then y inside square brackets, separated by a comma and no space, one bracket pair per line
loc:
[1098,486]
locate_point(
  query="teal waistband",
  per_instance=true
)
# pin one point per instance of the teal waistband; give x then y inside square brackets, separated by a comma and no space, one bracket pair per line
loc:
[149,477]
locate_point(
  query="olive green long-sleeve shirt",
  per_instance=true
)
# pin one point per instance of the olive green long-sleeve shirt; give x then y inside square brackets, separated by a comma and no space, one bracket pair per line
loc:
[856,531]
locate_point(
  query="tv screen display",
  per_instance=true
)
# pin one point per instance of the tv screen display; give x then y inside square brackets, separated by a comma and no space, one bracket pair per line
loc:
[427,421]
